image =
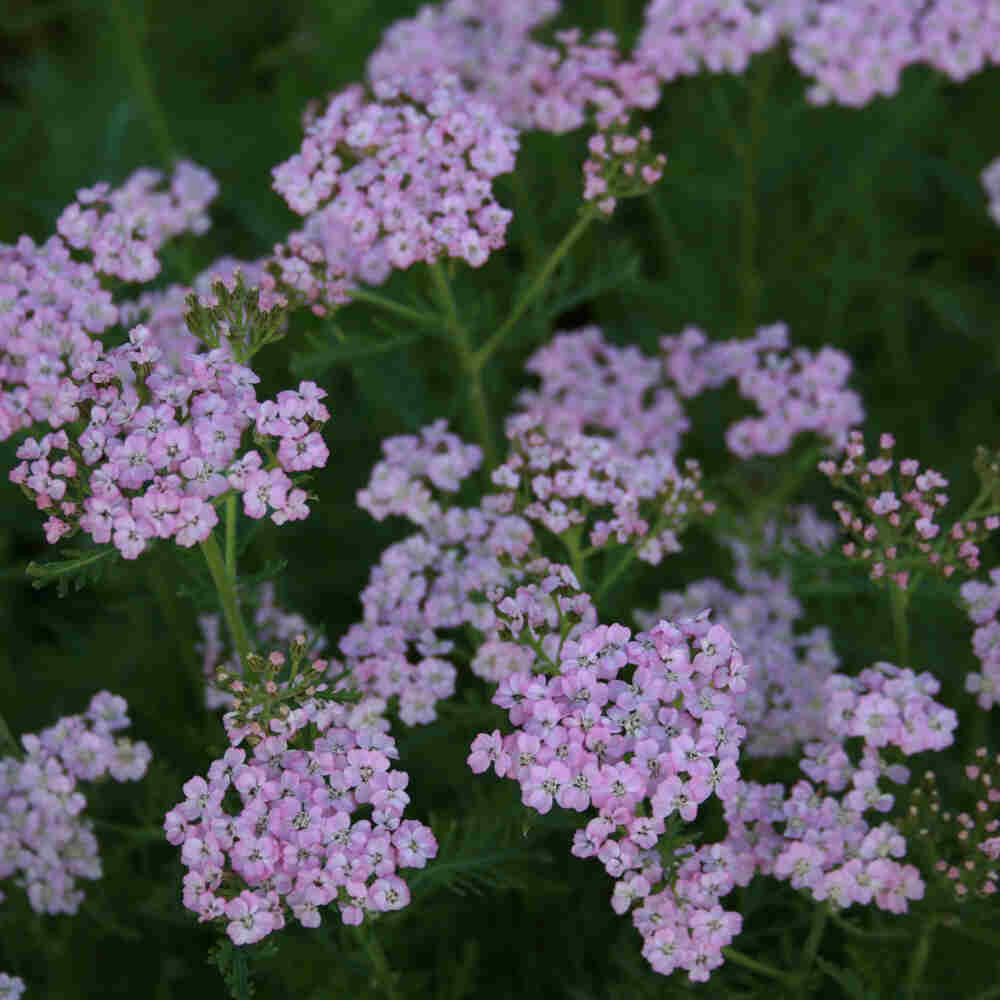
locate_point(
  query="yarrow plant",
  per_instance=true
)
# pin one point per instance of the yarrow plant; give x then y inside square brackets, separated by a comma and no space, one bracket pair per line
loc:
[600,569]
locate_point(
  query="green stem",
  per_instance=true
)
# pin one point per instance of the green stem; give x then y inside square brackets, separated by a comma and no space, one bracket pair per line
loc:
[816,929]
[466,358]
[738,958]
[571,540]
[142,833]
[915,972]
[899,599]
[384,976]
[484,353]
[225,585]
[231,536]
[624,561]
[392,306]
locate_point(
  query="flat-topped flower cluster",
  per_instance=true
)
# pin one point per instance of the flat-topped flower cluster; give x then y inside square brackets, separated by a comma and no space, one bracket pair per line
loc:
[390,181]
[46,841]
[52,302]
[271,832]
[158,445]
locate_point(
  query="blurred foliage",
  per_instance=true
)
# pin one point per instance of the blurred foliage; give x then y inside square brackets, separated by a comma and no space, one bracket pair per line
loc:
[865,229]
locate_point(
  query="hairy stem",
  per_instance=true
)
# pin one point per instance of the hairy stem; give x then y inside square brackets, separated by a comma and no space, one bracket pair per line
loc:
[384,976]
[231,536]
[761,968]
[921,953]
[899,600]
[392,306]
[484,353]
[225,586]
[816,929]
[571,540]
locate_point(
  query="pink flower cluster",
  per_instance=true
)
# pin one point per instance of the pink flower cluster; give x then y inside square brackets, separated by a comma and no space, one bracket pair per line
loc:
[856,49]
[795,390]
[403,481]
[620,165]
[51,305]
[782,707]
[983,603]
[589,385]
[685,38]
[124,227]
[642,730]
[46,843]
[293,844]
[159,445]
[532,86]
[991,184]
[538,613]
[963,848]
[403,179]
[826,844]
[853,50]
[896,530]
[583,480]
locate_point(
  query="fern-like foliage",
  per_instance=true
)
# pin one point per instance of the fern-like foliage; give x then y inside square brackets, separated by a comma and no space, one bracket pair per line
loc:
[482,851]
[80,567]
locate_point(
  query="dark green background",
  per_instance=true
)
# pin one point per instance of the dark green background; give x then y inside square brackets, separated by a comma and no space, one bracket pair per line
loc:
[869,233]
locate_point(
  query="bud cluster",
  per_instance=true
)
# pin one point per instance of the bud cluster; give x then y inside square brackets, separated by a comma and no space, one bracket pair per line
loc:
[964,847]
[896,529]
[620,165]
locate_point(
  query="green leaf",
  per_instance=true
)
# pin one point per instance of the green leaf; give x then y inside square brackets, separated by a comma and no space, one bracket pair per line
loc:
[604,281]
[326,354]
[849,981]
[82,567]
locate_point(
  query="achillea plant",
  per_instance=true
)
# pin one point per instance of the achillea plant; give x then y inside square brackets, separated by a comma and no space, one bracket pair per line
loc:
[551,462]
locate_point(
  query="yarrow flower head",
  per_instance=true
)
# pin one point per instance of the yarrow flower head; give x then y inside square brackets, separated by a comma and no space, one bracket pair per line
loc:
[290,843]
[640,730]
[796,390]
[124,227]
[394,177]
[46,841]
[52,302]
[414,468]
[158,445]
[531,85]
[782,706]
[584,483]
